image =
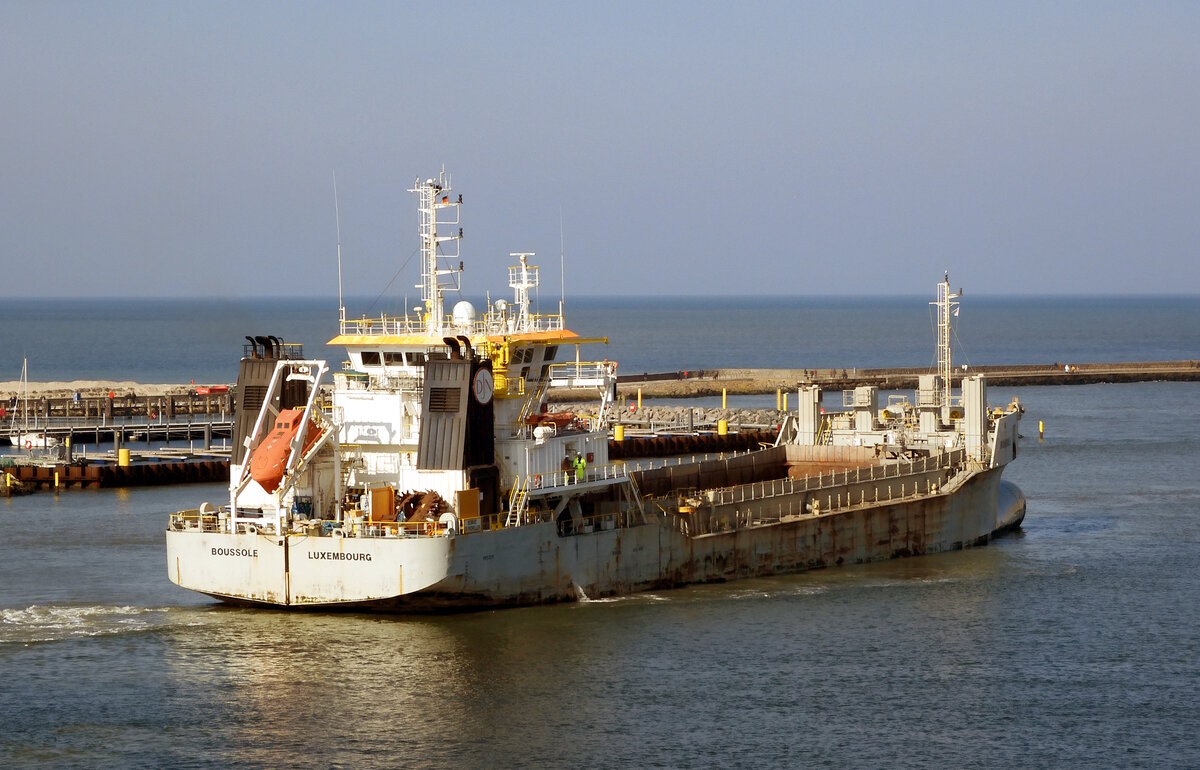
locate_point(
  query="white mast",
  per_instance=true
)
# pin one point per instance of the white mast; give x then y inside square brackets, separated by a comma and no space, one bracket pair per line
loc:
[946,308]
[337,218]
[435,195]
[522,278]
[562,266]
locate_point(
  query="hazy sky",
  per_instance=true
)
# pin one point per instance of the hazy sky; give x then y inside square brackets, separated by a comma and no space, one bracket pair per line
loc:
[173,149]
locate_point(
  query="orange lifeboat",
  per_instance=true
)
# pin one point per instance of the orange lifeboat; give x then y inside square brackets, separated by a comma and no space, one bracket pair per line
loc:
[270,458]
[560,420]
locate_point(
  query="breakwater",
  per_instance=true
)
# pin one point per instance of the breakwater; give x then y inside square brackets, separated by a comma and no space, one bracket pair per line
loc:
[714,382]
[140,470]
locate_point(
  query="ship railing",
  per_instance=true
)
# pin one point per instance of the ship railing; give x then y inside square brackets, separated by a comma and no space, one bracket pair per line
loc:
[648,464]
[487,523]
[383,325]
[376,528]
[283,350]
[597,522]
[414,529]
[216,520]
[607,472]
[583,374]
[505,323]
[583,423]
[770,502]
[491,323]
[944,465]
[195,519]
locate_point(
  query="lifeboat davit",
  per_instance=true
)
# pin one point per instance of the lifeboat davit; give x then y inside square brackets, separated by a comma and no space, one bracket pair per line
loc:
[269,460]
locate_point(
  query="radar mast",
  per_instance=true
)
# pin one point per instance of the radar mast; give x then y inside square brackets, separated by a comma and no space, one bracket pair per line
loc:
[438,272]
[946,308]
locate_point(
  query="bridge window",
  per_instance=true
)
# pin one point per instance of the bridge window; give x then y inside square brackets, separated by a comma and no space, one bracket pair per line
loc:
[370,358]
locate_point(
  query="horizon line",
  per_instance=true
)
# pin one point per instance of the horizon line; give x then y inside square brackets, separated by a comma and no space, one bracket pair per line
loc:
[621,296]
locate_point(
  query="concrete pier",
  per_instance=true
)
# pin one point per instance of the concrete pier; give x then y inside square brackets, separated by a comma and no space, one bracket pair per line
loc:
[714,382]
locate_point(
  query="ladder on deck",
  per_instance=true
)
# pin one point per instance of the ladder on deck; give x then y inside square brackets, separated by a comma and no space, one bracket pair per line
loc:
[518,502]
[825,432]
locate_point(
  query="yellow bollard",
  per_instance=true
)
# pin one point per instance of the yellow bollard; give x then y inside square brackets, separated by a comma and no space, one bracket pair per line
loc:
[56,478]
[723,394]
[785,395]
[778,399]
[123,458]
[722,427]
[1041,430]
[618,433]
[639,399]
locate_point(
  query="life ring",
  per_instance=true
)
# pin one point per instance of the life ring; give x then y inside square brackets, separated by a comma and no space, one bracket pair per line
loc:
[537,481]
[29,443]
[429,528]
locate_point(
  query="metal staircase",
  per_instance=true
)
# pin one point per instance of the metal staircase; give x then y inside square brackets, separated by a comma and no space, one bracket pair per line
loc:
[518,502]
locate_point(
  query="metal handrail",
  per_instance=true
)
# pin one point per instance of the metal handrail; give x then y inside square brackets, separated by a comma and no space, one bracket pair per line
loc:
[490,324]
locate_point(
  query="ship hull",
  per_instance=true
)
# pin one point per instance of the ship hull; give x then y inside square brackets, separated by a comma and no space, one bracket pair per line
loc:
[534,564]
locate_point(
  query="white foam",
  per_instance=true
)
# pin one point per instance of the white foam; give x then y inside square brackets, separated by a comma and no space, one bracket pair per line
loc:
[46,623]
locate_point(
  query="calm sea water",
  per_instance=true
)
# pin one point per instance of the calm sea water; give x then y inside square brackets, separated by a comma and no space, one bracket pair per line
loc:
[179,341]
[1075,642]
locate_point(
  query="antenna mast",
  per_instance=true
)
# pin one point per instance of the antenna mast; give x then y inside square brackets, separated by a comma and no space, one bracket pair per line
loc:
[337,218]
[522,278]
[946,308]
[562,266]
[435,195]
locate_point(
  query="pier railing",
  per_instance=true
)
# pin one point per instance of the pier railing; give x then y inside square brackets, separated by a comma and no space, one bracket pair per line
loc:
[102,429]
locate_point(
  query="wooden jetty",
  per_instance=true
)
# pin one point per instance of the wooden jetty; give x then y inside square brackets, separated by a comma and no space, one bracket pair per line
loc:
[102,418]
[105,404]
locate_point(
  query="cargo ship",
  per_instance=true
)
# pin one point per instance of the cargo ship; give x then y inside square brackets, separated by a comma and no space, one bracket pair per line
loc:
[427,473]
